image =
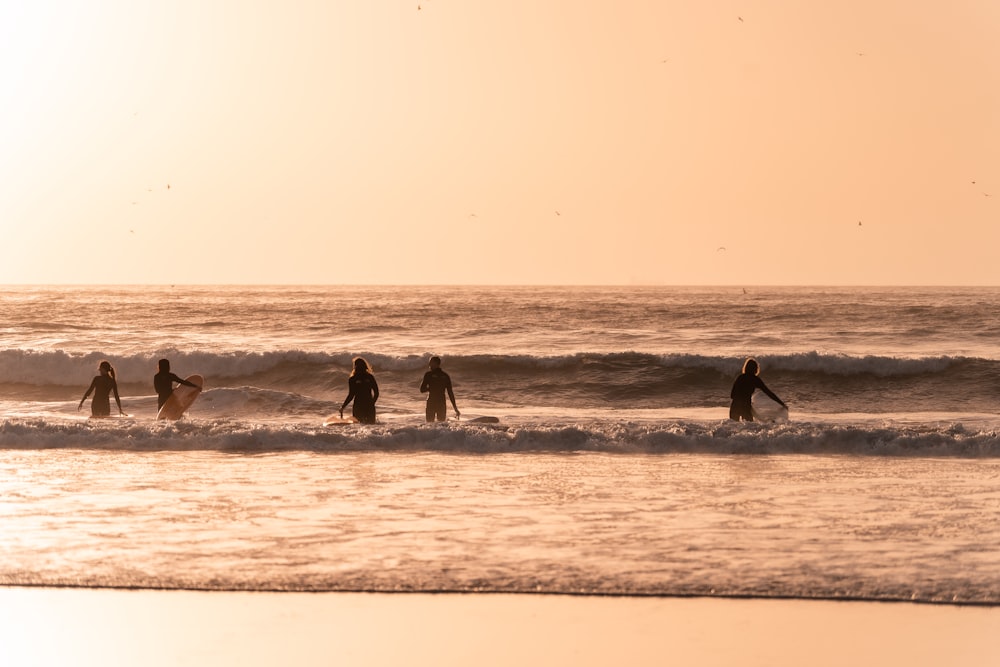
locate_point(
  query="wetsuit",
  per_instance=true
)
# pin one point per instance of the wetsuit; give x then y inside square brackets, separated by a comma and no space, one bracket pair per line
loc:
[436,383]
[362,388]
[163,383]
[742,392]
[102,386]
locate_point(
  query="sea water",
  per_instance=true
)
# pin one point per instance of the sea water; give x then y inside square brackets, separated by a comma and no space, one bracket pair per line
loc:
[613,468]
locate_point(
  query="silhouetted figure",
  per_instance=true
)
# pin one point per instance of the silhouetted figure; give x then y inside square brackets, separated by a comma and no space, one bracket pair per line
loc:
[163,382]
[102,385]
[363,390]
[436,383]
[743,389]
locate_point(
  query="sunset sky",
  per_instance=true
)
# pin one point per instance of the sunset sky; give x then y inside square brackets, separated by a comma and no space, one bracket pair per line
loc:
[519,142]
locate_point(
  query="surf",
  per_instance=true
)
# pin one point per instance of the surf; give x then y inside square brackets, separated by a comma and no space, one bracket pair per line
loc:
[408,432]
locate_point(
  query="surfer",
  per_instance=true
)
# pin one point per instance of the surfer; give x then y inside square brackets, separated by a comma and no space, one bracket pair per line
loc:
[102,385]
[363,390]
[743,389]
[163,382]
[436,383]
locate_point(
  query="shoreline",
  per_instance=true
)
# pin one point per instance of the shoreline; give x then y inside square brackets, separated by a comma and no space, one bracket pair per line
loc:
[110,627]
[987,604]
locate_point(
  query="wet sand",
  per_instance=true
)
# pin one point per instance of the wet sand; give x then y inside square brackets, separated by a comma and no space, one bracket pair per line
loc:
[107,628]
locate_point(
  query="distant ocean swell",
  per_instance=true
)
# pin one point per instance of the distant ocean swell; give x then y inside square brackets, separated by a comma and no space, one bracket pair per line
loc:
[811,381]
[631,437]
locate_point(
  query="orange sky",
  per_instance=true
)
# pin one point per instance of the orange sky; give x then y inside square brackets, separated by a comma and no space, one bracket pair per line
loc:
[556,142]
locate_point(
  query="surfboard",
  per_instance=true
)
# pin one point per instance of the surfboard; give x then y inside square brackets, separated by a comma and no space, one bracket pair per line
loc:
[336,420]
[767,410]
[181,399]
[481,420]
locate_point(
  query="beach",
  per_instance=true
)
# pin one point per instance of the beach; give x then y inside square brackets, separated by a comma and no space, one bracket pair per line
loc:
[111,628]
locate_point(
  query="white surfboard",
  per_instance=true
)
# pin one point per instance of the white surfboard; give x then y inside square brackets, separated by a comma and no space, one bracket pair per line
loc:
[336,420]
[767,410]
[181,399]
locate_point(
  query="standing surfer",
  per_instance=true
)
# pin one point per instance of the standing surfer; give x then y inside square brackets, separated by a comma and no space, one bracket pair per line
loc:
[436,383]
[163,382]
[743,388]
[363,390]
[102,385]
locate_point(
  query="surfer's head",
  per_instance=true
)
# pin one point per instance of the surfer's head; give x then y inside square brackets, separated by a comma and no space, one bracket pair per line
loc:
[361,366]
[751,367]
[163,365]
[105,367]
[435,362]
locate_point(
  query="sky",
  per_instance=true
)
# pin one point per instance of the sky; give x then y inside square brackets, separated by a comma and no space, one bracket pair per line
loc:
[764,142]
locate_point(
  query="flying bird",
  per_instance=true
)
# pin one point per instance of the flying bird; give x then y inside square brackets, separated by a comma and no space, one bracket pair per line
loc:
[740,18]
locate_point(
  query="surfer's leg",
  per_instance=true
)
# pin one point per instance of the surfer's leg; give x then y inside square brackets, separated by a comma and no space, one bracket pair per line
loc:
[365,414]
[437,411]
[738,411]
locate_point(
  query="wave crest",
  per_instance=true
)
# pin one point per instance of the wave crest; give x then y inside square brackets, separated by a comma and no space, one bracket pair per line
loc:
[952,440]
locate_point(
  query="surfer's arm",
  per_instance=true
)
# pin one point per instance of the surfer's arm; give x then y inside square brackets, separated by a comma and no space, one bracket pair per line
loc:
[374,390]
[771,394]
[350,396]
[180,380]
[118,400]
[451,395]
[424,387]
[93,383]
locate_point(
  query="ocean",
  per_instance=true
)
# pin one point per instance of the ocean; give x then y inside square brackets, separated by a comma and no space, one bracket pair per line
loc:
[613,468]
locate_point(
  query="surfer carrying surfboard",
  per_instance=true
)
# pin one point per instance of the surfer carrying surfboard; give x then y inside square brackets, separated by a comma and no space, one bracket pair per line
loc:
[103,385]
[436,383]
[363,390]
[743,389]
[163,382]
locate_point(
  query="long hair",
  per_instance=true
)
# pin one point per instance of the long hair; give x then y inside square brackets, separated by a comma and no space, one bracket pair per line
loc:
[360,365]
[751,367]
[106,366]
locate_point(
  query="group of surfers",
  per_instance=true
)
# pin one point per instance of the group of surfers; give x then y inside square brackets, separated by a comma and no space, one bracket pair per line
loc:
[361,385]
[105,384]
[362,390]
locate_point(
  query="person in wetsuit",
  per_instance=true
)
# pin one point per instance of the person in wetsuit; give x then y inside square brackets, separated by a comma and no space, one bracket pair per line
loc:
[103,385]
[436,383]
[743,389]
[163,382]
[363,390]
